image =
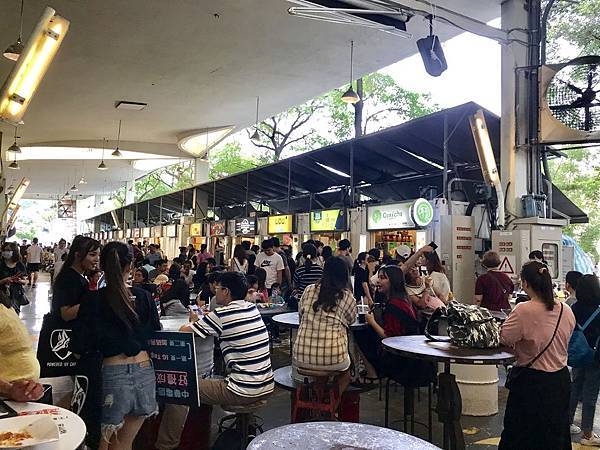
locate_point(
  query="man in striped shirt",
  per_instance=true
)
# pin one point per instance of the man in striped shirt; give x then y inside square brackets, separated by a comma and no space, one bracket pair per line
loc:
[244,344]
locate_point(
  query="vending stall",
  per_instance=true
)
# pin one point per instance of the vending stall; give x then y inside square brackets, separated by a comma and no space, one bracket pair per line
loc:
[329,225]
[399,224]
[283,227]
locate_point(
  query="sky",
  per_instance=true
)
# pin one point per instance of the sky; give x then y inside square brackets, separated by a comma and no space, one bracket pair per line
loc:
[473,73]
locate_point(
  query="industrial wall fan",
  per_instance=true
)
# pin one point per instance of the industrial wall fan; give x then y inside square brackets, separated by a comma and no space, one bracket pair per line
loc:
[570,101]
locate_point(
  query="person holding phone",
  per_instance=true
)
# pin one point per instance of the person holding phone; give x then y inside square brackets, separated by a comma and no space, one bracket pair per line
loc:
[12,274]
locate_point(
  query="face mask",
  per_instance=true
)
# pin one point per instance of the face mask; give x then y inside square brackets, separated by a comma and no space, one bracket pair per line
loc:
[7,254]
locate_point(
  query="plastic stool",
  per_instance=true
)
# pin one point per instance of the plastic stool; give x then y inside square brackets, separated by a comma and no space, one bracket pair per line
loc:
[319,395]
[242,418]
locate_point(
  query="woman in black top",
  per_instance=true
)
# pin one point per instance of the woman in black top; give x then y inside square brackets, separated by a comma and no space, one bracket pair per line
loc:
[362,273]
[117,322]
[13,274]
[70,285]
[586,380]
[140,280]
[179,289]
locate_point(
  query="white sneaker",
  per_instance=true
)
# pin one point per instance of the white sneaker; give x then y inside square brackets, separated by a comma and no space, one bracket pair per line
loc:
[594,440]
[575,429]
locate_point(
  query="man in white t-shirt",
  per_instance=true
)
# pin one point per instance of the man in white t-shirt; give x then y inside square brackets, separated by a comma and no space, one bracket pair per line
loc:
[59,251]
[34,260]
[271,262]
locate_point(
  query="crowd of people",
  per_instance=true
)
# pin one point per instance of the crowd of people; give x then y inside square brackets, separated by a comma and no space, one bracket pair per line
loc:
[113,296]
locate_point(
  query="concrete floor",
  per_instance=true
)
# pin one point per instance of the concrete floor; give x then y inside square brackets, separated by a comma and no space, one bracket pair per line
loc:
[481,433]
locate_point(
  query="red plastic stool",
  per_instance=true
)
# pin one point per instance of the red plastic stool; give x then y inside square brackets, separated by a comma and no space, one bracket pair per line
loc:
[316,399]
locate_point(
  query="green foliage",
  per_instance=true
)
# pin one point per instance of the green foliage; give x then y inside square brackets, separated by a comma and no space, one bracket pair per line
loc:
[578,177]
[385,104]
[577,23]
[229,160]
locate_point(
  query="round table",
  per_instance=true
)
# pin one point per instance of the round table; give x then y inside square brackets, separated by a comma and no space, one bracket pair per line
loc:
[449,399]
[71,427]
[336,435]
[292,320]
[272,311]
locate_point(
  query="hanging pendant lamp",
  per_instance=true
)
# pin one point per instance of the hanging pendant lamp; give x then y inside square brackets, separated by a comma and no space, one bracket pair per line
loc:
[14,148]
[14,50]
[102,166]
[256,136]
[350,96]
[117,153]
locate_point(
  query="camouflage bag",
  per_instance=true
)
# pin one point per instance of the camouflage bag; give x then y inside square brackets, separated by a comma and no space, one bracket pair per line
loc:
[468,326]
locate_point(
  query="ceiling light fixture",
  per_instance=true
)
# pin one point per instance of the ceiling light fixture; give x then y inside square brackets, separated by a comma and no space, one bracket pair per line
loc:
[14,165]
[74,188]
[14,148]
[117,153]
[350,96]
[14,50]
[27,73]
[256,136]
[102,166]
[82,180]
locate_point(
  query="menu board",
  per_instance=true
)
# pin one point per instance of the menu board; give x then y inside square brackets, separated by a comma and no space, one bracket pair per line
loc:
[157,231]
[137,233]
[245,226]
[174,357]
[218,228]
[146,232]
[398,216]
[328,220]
[171,231]
[196,229]
[281,224]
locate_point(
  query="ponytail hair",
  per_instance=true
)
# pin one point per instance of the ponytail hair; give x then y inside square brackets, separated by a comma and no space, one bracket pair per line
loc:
[309,252]
[359,259]
[114,259]
[539,280]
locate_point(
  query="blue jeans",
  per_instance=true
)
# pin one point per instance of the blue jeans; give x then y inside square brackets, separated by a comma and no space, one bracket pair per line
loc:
[128,390]
[585,387]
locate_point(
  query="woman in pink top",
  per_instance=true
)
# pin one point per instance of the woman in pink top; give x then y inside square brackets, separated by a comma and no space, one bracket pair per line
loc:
[537,410]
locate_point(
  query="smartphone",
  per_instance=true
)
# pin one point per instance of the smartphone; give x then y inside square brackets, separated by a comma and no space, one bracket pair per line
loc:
[433,245]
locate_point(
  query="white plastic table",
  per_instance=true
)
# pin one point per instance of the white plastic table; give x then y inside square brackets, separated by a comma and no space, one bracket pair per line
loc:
[71,427]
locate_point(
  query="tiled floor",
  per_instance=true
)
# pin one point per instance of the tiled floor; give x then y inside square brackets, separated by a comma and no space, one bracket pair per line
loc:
[480,432]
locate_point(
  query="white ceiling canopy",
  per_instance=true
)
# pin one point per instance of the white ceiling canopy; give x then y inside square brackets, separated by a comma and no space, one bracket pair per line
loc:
[197,65]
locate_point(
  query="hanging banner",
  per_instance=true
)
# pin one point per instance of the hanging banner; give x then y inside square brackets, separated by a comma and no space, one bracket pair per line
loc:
[218,228]
[281,224]
[196,229]
[398,216]
[245,226]
[328,220]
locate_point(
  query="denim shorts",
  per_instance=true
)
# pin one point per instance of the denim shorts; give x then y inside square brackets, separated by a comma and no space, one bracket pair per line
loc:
[127,390]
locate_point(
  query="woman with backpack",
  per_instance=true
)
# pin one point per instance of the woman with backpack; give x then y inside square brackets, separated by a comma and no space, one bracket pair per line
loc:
[539,330]
[494,288]
[586,380]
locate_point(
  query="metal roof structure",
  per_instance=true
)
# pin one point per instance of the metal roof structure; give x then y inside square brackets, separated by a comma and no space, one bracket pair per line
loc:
[398,163]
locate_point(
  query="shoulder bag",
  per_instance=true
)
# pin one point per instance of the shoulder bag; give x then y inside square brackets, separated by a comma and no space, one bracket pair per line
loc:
[505,292]
[581,354]
[468,326]
[515,372]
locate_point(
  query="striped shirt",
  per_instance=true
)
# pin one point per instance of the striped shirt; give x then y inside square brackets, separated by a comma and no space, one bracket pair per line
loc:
[305,276]
[244,342]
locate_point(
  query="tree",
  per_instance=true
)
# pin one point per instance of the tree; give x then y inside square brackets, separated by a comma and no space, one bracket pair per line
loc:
[578,177]
[576,23]
[385,103]
[289,129]
[229,160]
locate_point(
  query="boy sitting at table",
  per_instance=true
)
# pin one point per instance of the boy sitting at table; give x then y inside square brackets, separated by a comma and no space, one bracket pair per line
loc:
[244,344]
